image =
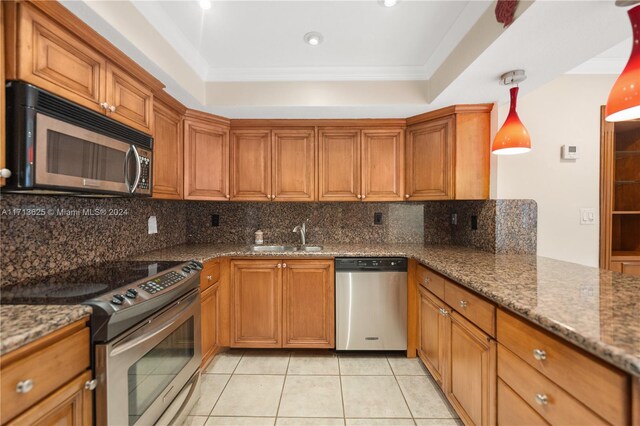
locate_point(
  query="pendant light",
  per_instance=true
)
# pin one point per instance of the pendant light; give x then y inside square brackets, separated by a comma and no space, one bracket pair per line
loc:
[624,99]
[512,138]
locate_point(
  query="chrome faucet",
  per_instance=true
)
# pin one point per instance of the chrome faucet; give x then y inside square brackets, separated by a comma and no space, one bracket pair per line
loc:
[303,232]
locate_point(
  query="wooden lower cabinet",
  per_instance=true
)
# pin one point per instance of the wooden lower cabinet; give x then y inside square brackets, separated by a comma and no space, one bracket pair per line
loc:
[471,379]
[210,309]
[256,303]
[308,304]
[631,268]
[513,411]
[432,331]
[282,303]
[70,405]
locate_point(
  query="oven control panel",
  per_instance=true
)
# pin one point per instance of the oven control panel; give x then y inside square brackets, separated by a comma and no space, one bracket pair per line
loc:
[162,282]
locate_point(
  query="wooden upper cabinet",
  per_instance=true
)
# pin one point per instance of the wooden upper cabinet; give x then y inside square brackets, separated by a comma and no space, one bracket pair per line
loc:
[206,163]
[429,160]
[447,154]
[50,57]
[383,165]
[53,49]
[293,164]
[339,164]
[256,298]
[308,304]
[251,165]
[130,102]
[168,149]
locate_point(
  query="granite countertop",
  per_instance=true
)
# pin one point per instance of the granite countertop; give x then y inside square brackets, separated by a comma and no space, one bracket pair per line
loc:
[22,324]
[595,309]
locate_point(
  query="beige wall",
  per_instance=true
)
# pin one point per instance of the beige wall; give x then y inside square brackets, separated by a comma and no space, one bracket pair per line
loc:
[564,111]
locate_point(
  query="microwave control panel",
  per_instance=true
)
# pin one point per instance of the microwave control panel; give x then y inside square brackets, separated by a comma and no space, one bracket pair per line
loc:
[144,185]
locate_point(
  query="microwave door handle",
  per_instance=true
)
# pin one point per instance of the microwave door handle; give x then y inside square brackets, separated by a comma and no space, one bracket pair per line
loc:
[136,181]
[126,167]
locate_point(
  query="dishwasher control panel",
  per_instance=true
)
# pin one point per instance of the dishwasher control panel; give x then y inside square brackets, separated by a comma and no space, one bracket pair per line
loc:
[371,264]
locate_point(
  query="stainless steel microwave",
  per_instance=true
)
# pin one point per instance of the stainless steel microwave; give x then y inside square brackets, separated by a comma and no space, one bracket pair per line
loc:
[57,147]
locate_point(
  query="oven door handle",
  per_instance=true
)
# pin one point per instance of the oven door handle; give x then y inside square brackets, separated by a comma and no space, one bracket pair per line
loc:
[136,338]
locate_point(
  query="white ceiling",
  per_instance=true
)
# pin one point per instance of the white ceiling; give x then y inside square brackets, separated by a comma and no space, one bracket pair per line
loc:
[248,58]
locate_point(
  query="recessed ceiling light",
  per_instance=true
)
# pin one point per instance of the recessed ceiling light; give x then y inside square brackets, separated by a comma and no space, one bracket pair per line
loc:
[313,38]
[389,3]
[206,4]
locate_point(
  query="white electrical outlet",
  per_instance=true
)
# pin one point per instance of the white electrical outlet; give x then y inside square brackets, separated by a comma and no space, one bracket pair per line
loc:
[587,216]
[153,225]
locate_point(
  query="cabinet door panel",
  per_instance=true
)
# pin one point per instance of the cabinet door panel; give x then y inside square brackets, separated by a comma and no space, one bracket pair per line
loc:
[209,312]
[430,160]
[133,102]
[51,58]
[167,153]
[308,304]
[206,161]
[293,169]
[251,165]
[339,165]
[432,327]
[471,379]
[256,289]
[383,165]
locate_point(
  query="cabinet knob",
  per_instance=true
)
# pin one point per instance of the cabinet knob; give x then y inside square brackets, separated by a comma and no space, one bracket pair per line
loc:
[104,105]
[5,173]
[359,196]
[406,195]
[90,384]
[542,399]
[539,354]
[426,280]
[284,265]
[112,108]
[268,196]
[464,304]
[24,386]
[209,277]
[363,197]
[226,196]
[273,197]
[279,265]
[444,312]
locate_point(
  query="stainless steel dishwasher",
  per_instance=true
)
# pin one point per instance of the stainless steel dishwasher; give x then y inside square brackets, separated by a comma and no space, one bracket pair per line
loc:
[371,303]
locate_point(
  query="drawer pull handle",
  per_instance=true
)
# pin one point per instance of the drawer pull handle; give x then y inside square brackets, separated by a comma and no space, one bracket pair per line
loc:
[90,384]
[464,304]
[24,386]
[539,354]
[542,399]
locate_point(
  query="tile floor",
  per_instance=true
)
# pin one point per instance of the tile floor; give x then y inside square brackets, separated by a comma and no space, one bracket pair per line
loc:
[256,387]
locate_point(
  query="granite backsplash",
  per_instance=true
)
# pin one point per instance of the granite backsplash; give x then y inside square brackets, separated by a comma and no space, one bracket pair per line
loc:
[40,235]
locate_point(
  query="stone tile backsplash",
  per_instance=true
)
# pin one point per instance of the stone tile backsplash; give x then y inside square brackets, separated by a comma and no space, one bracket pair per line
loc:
[43,234]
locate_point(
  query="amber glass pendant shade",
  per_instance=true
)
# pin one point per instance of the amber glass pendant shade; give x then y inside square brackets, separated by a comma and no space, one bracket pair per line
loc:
[624,99]
[512,138]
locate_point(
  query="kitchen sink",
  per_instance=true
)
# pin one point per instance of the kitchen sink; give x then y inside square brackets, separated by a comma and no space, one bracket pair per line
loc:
[273,248]
[284,248]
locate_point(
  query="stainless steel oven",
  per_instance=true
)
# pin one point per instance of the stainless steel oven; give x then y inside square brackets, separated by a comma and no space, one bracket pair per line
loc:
[55,146]
[148,374]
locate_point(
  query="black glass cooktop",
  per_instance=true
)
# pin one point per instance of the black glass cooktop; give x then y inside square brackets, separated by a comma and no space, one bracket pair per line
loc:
[79,285]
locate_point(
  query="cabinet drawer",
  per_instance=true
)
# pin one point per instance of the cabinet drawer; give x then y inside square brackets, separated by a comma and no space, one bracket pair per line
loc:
[430,280]
[210,274]
[545,397]
[581,375]
[48,369]
[512,410]
[474,308]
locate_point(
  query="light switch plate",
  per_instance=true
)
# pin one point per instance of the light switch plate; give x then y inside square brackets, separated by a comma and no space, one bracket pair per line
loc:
[153,225]
[587,216]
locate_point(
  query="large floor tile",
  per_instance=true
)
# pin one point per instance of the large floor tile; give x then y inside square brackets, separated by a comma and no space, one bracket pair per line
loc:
[263,362]
[364,365]
[306,363]
[225,362]
[311,396]
[250,396]
[211,387]
[380,422]
[439,422]
[424,399]
[240,421]
[308,421]
[403,366]
[373,397]
[195,421]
